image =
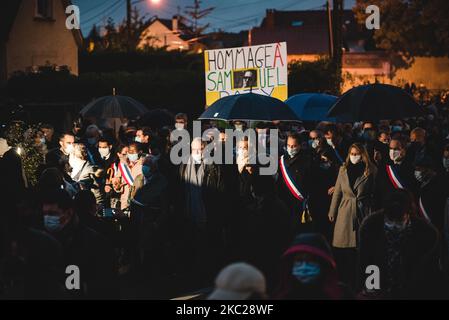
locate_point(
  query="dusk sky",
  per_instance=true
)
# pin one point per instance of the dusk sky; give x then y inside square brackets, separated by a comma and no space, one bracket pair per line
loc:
[229,15]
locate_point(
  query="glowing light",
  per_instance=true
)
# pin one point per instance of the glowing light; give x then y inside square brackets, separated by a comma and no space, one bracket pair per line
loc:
[156,2]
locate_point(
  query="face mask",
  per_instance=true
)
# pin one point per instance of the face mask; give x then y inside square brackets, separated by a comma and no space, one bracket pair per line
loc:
[146,171]
[52,223]
[306,272]
[355,159]
[292,151]
[42,140]
[385,142]
[313,143]
[242,153]
[92,141]
[68,149]
[329,142]
[369,135]
[325,165]
[75,163]
[179,126]
[395,154]
[103,152]
[239,127]
[418,175]
[138,139]
[133,157]
[197,157]
[396,128]
[394,226]
[446,163]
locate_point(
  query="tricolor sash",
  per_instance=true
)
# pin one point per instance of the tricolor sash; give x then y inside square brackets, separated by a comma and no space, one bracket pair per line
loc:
[394,177]
[126,173]
[291,184]
[423,211]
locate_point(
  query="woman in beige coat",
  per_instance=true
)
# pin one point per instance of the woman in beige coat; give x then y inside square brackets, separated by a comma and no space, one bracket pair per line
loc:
[352,201]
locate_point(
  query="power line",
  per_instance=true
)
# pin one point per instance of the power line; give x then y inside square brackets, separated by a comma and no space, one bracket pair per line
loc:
[113,8]
[88,11]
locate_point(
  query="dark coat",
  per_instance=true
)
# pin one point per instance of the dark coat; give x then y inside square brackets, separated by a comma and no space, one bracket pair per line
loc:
[384,185]
[433,196]
[212,192]
[94,256]
[300,168]
[419,255]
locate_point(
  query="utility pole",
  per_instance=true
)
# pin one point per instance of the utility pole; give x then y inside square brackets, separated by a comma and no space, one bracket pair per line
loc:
[337,20]
[128,23]
[330,30]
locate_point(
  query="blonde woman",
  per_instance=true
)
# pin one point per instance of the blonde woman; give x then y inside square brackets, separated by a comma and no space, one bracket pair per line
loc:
[351,201]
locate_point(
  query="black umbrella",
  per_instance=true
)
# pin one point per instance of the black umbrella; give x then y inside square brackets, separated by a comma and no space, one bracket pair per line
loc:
[114,107]
[157,118]
[375,102]
[249,106]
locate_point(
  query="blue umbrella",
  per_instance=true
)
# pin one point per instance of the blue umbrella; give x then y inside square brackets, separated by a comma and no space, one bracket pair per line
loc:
[249,106]
[314,107]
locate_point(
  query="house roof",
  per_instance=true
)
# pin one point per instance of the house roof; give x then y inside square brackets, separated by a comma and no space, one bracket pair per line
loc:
[306,32]
[8,13]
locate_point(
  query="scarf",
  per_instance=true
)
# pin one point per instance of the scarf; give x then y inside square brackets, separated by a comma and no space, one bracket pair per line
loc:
[193,179]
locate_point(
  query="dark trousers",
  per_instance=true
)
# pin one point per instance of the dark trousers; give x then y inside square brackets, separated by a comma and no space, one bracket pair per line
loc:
[346,259]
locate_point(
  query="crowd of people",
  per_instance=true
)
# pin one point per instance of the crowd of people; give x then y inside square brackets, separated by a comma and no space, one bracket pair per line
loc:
[345,197]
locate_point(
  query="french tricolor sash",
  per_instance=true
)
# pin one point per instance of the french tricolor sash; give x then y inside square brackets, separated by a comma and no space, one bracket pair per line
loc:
[126,173]
[423,211]
[292,186]
[394,177]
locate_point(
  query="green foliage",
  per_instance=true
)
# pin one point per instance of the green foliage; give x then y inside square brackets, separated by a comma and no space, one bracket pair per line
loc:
[410,27]
[20,135]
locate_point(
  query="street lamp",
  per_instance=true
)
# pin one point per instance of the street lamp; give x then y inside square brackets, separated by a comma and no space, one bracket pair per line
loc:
[128,16]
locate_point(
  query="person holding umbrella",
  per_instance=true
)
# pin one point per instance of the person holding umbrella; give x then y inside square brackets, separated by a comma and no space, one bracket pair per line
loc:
[352,201]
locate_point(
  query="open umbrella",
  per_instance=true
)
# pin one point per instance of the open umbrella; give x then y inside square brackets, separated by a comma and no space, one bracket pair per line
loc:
[249,106]
[314,107]
[114,107]
[375,102]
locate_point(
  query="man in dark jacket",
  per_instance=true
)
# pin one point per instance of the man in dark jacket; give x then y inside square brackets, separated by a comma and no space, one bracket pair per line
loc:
[432,194]
[294,183]
[81,247]
[395,172]
[403,247]
[201,190]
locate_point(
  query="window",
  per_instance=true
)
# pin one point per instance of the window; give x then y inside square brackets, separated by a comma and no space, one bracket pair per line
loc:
[44,8]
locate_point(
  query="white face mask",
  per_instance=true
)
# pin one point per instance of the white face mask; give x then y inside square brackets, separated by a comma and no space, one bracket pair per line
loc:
[42,141]
[446,163]
[418,175]
[197,157]
[133,157]
[329,142]
[355,159]
[292,151]
[179,126]
[239,127]
[395,154]
[138,139]
[242,153]
[103,152]
[68,149]
[75,163]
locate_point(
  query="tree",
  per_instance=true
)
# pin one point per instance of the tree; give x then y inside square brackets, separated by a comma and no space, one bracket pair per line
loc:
[196,14]
[410,27]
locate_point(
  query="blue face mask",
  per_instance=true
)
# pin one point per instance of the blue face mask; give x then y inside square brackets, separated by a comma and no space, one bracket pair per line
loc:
[325,165]
[52,223]
[146,171]
[306,272]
